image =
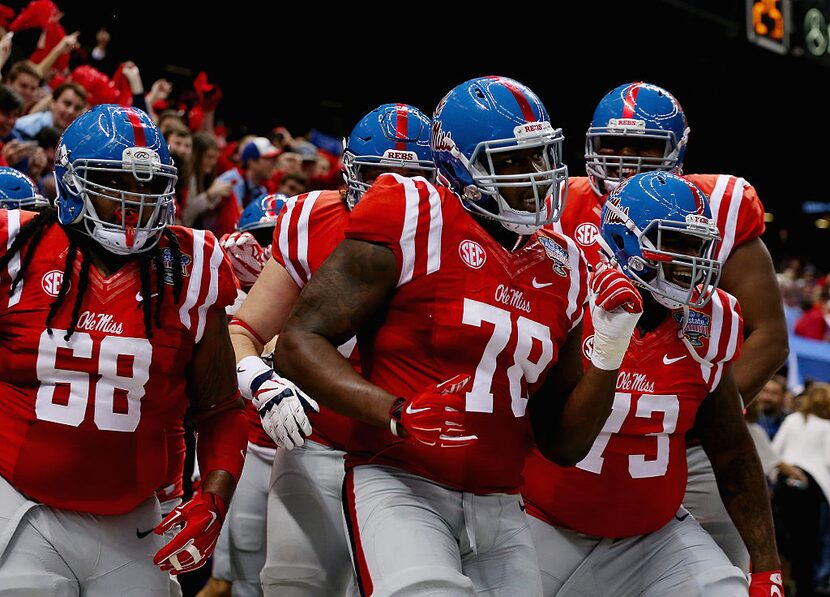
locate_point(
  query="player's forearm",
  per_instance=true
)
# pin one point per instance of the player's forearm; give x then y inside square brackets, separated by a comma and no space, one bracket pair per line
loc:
[244,344]
[221,483]
[743,490]
[763,353]
[315,365]
[581,419]
[222,442]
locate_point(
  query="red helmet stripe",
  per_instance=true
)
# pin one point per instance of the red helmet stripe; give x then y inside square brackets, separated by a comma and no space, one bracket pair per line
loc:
[402,126]
[524,105]
[138,127]
[630,101]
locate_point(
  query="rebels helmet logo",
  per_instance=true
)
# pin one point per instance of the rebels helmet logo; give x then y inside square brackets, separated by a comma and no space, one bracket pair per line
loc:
[586,234]
[472,254]
[51,282]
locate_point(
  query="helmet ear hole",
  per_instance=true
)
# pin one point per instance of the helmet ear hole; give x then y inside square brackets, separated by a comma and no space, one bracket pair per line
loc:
[618,241]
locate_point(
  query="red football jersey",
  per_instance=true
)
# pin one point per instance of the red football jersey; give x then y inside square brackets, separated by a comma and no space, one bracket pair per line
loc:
[463,304]
[734,203]
[634,477]
[87,424]
[309,227]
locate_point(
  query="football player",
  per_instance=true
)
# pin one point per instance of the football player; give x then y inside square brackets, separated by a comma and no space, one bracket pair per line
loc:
[464,314]
[642,127]
[240,552]
[613,524]
[18,191]
[113,326]
[307,549]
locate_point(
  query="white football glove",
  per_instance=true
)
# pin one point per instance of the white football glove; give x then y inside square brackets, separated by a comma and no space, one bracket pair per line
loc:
[247,257]
[281,405]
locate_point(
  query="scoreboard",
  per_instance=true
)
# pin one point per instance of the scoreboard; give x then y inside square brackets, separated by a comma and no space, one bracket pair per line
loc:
[795,27]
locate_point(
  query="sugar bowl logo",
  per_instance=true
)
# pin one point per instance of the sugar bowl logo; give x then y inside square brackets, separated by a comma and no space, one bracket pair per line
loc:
[697,327]
[167,264]
[557,254]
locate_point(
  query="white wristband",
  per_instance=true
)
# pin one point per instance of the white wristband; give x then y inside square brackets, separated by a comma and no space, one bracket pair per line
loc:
[247,370]
[612,334]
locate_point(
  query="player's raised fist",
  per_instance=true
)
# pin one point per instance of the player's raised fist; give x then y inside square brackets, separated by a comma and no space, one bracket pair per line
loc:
[616,306]
[435,416]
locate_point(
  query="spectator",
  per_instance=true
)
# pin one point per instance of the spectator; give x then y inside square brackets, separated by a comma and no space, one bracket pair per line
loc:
[24,79]
[180,141]
[249,181]
[801,497]
[10,108]
[813,323]
[168,119]
[293,183]
[16,152]
[68,102]
[771,405]
[203,191]
[259,160]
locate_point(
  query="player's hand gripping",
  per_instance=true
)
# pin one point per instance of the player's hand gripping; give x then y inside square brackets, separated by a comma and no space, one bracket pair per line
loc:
[246,256]
[435,416]
[281,405]
[766,584]
[200,520]
[616,306]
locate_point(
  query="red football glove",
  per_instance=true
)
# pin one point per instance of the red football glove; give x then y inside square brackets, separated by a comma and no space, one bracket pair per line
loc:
[201,520]
[246,256]
[434,417]
[766,584]
[611,289]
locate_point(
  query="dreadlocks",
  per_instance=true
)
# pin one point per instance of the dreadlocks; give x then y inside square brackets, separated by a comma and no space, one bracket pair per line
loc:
[30,235]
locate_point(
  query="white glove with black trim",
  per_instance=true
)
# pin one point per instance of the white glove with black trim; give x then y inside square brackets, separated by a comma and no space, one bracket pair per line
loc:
[281,405]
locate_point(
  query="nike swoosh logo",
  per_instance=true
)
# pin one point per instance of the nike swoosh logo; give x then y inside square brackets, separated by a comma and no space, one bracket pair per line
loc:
[668,361]
[540,284]
[140,298]
[142,534]
[414,411]
[240,370]
[681,518]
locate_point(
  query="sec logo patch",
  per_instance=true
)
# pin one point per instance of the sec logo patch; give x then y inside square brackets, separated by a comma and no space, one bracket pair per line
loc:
[588,347]
[472,254]
[51,282]
[586,234]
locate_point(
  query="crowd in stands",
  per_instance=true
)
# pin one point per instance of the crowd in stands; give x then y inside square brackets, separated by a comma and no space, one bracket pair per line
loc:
[806,296]
[41,94]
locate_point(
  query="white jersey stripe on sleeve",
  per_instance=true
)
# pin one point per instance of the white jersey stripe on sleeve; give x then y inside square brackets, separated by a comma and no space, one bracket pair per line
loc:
[410,227]
[715,330]
[213,290]
[14,262]
[194,286]
[717,194]
[574,288]
[728,242]
[302,232]
[436,226]
[732,345]
[717,377]
[284,241]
